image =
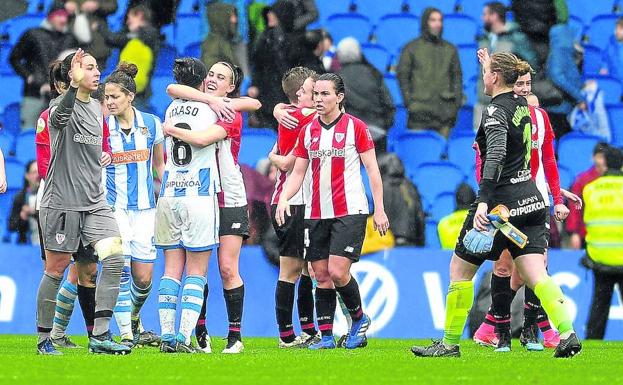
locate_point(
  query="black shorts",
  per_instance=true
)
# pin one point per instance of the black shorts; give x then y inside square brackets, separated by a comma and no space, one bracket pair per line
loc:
[528,214]
[337,236]
[234,221]
[290,235]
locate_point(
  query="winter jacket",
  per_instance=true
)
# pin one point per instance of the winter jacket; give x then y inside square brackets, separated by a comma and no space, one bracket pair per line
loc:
[562,70]
[305,13]
[511,40]
[34,52]
[430,77]
[367,95]
[612,58]
[219,45]
[536,17]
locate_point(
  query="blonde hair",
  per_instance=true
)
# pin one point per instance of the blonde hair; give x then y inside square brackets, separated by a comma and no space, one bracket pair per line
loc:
[509,66]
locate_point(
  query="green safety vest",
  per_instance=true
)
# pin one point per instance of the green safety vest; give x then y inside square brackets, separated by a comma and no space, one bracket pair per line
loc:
[449,229]
[603,215]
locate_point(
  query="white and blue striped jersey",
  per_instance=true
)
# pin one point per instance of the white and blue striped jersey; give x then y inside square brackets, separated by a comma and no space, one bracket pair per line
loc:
[190,170]
[129,178]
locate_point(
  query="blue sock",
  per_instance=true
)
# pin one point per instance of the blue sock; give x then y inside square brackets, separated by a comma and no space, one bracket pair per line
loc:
[192,300]
[123,308]
[139,296]
[167,304]
[65,300]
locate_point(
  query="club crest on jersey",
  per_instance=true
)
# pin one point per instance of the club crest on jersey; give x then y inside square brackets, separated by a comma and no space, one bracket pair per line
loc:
[491,110]
[60,238]
[339,137]
[145,132]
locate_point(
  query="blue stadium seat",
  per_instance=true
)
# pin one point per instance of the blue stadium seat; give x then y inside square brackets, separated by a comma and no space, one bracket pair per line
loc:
[444,204]
[431,236]
[417,147]
[587,10]
[399,127]
[21,24]
[394,88]
[435,178]
[166,58]
[471,179]
[576,25]
[12,86]
[5,52]
[159,98]
[616,124]
[566,177]
[611,87]
[460,151]
[375,9]
[469,61]
[7,143]
[111,62]
[193,49]
[377,55]
[327,8]
[343,25]
[592,60]
[600,30]
[575,151]
[445,6]
[464,121]
[189,28]
[6,203]
[25,149]
[168,31]
[366,185]
[11,120]
[394,31]
[470,88]
[14,173]
[39,6]
[460,29]
[256,144]
[190,6]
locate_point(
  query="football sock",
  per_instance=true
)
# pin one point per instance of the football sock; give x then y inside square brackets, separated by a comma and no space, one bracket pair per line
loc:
[200,328]
[543,322]
[139,296]
[458,303]
[305,304]
[167,303]
[325,310]
[65,300]
[352,299]
[553,301]
[106,293]
[234,300]
[46,302]
[123,307]
[532,307]
[192,300]
[345,313]
[86,298]
[501,298]
[284,302]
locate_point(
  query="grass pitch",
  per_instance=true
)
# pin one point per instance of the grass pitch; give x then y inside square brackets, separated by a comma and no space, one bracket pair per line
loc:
[382,362]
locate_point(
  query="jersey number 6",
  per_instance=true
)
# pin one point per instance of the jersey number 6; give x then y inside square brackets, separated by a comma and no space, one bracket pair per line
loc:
[181,151]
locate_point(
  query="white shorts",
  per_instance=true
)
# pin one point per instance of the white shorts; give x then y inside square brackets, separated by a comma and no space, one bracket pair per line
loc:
[137,233]
[191,223]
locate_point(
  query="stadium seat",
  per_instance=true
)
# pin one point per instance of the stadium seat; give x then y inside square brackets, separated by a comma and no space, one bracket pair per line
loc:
[575,151]
[39,6]
[565,176]
[11,120]
[464,121]
[159,98]
[327,8]
[190,6]
[25,150]
[394,89]
[256,144]
[189,28]
[616,124]
[21,24]
[460,29]
[7,143]
[193,49]
[394,31]
[576,25]
[471,179]
[460,151]
[375,9]
[5,52]
[14,172]
[611,87]
[592,60]
[469,61]
[470,88]
[168,31]
[376,55]
[111,63]
[344,25]
[366,185]
[431,236]
[13,83]
[600,30]
[444,204]
[165,60]
[445,6]
[587,10]
[417,147]
[435,178]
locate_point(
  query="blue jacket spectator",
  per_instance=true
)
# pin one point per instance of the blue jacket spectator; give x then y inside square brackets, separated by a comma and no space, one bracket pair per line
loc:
[612,59]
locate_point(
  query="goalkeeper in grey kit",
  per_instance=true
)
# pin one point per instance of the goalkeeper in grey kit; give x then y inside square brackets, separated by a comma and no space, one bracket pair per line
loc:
[516,221]
[74,207]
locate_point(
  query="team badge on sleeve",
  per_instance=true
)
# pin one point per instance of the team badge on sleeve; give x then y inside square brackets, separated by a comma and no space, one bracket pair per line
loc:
[40,125]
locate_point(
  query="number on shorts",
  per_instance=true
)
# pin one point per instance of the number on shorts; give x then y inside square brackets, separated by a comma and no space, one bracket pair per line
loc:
[182,152]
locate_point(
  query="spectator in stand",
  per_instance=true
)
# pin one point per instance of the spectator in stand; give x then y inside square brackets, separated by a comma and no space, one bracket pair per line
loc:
[305,13]
[329,59]
[500,36]
[575,223]
[23,217]
[368,96]
[430,77]
[449,227]
[162,11]
[311,51]
[563,71]
[535,18]
[612,59]
[32,55]
[139,45]
[87,17]
[220,45]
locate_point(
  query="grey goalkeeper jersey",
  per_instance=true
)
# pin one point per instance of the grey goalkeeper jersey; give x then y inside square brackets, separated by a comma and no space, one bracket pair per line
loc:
[74,179]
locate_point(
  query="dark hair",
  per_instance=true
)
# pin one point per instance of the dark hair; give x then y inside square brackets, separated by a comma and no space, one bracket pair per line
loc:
[55,77]
[312,38]
[326,34]
[293,79]
[28,165]
[497,8]
[142,8]
[338,84]
[66,66]
[620,21]
[123,76]
[509,66]
[614,158]
[464,196]
[236,78]
[189,71]
[98,94]
[600,148]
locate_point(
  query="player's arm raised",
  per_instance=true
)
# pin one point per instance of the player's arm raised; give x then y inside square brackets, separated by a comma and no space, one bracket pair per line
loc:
[195,138]
[59,115]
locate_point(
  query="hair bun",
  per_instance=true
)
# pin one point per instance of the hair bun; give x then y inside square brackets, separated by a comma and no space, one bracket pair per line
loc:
[128,68]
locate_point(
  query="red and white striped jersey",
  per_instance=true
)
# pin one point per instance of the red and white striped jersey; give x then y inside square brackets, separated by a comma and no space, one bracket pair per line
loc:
[233,193]
[335,187]
[286,140]
[542,159]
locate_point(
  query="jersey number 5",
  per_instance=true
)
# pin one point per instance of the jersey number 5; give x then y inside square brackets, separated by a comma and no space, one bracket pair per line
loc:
[181,151]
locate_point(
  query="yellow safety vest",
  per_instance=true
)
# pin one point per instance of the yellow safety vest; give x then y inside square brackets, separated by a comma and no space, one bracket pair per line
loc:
[449,228]
[603,215]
